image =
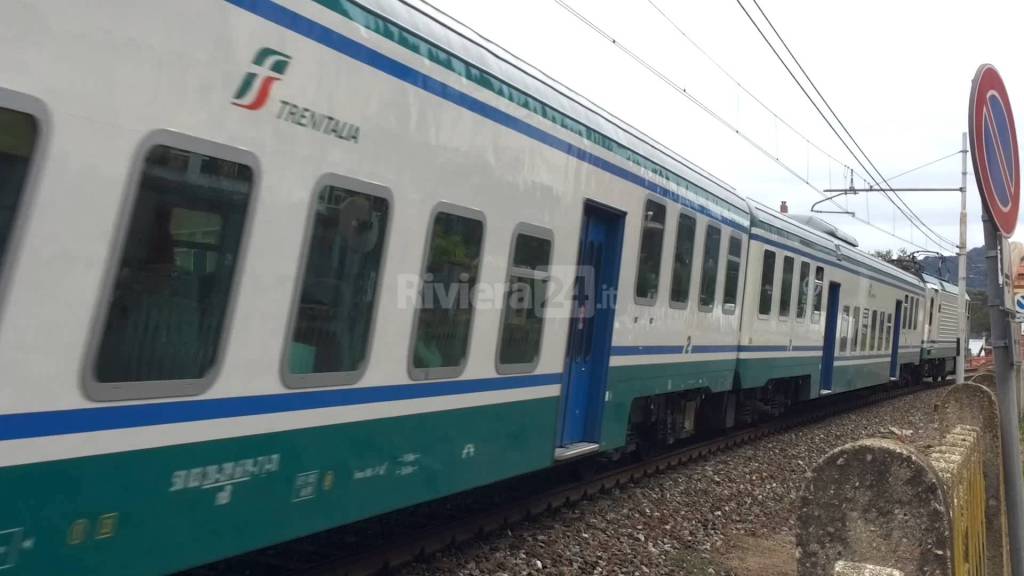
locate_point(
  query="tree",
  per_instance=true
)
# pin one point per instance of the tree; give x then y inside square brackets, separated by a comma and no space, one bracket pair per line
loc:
[901,258]
[889,255]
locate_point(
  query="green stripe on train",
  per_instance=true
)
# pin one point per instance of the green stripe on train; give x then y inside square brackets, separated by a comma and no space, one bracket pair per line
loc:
[165,509]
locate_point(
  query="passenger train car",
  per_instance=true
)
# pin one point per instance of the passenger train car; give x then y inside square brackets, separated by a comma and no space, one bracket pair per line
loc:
[273,266]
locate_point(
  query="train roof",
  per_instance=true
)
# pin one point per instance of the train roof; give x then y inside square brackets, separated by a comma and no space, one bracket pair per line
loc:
[549,99]
[782,225]
[826,228]
[940,284]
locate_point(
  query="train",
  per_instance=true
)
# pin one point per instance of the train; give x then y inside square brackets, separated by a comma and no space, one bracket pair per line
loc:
[269,267]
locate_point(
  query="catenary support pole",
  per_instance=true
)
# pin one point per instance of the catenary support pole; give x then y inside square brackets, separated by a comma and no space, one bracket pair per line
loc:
[962,267]
[1006,387]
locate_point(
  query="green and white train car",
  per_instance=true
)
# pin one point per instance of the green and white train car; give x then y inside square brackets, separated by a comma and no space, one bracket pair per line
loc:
[274,266]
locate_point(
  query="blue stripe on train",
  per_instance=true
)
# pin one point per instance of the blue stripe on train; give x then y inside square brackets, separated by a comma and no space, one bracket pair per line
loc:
[75,421]
[705,349]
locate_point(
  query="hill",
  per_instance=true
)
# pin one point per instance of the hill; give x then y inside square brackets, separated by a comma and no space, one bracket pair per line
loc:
[947,268]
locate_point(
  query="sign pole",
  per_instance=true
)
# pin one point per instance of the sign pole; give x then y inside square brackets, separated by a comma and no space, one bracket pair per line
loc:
[1006,387]
[962,266]
[996,158]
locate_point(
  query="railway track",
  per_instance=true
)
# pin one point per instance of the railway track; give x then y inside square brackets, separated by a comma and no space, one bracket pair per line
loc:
[380,545]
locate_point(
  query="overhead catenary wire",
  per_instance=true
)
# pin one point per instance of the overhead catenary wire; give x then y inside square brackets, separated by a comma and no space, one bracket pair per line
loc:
[912,215]
[782,120]
[757,146]
[754,97]
[708,110]
[925,165]
[901,205]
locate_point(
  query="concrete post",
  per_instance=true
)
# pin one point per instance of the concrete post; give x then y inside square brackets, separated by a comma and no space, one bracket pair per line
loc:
[880,504]
[975,405]
[877,502]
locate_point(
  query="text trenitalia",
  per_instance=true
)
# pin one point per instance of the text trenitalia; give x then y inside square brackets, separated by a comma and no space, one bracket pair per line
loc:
[318,121]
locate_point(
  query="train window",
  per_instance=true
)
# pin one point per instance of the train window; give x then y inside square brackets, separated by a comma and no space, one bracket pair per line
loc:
[709,267]
[764,306]
[917,308]
[444,314]
[803,290]
[882,330]
[873,340]
[931,311]
[844,329]
[856,329]
[332,320]
[786,294]
[18,134]
[864,330]
[732,274]
[525,297]
[906,311]
[819,287]
[170,294]
[682,267]
[888,331]
[649,263]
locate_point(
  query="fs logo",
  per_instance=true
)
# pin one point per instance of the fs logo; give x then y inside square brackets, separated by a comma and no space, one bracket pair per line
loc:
[254,90]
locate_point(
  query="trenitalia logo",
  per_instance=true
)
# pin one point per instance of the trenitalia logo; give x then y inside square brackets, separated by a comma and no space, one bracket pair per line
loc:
[254,91]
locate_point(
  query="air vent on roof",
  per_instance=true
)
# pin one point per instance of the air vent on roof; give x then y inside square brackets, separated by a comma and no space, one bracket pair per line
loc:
[820,225]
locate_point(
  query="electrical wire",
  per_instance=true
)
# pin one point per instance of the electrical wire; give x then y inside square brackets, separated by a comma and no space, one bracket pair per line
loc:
[902,206]
[925,165]
[708,110]
[843,126]
[753,96]
[902,210]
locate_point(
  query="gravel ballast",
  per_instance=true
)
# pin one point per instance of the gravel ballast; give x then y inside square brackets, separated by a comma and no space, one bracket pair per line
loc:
[730,514]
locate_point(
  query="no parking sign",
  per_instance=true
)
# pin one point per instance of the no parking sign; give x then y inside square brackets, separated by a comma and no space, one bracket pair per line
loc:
[994,148]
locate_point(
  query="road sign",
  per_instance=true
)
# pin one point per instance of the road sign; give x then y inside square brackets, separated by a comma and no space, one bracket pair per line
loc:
[994,148]
[1018,301]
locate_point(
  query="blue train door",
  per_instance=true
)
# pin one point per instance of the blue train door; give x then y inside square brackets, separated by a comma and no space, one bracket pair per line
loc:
[590,336]
[894,359]
[828,352]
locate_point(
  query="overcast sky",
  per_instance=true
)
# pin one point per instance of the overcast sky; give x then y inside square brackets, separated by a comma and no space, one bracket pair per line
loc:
[897,72]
